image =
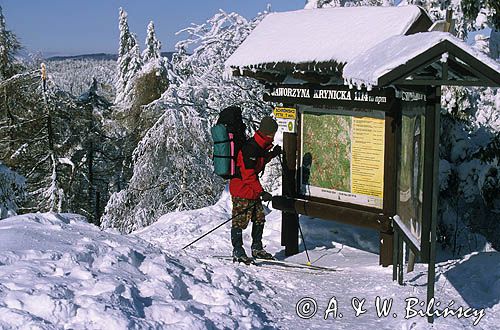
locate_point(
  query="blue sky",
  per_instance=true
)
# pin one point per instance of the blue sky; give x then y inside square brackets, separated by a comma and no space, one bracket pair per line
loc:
[69,27]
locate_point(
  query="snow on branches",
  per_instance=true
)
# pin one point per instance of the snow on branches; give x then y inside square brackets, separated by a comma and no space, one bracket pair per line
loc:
[172,163]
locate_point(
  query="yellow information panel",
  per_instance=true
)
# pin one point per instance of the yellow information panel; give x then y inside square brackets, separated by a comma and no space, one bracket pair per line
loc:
[367,163]
[285,113]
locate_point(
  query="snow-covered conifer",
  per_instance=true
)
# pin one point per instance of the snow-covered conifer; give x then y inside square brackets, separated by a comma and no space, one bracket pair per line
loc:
[129,61]
[153,45]
[9,47]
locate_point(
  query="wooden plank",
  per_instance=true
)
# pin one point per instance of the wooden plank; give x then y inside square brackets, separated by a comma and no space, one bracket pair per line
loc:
[331,212]
[339,214]
[332,103]
[409,237]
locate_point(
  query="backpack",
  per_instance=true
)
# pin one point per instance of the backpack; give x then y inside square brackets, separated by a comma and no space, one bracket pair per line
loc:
[228,136]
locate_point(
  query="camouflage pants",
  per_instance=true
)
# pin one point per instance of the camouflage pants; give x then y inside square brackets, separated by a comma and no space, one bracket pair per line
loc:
[253,213]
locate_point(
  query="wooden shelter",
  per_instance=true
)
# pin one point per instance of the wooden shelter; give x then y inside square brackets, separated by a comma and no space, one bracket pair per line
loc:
[365,84]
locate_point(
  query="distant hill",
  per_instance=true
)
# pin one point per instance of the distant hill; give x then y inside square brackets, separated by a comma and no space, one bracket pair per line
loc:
[98,56]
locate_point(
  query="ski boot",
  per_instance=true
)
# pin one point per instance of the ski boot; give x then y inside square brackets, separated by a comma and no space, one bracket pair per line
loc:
[258,251]
[239,254]
[262,254]
[244,259]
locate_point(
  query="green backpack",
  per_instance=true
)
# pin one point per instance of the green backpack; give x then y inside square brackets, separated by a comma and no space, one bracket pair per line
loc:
[228,137]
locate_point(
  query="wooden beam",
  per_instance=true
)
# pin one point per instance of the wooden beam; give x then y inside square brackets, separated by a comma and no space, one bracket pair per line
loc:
[486,76]
[404,70]
[311,77]
[336,213]
[471,70]
[261,75]
[474,63]
[444,72]
[329,69]
[439,82]
[460,69]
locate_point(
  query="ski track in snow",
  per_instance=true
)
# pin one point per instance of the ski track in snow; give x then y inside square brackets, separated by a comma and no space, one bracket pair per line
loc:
[59,272]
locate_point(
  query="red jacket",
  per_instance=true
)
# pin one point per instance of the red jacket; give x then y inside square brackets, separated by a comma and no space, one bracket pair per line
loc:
[251,160]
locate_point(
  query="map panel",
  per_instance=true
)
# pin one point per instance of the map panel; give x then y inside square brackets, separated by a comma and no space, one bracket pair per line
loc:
[342,155]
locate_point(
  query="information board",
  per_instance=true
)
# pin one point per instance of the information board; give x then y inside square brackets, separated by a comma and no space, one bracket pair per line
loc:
[342,155]
[411,164]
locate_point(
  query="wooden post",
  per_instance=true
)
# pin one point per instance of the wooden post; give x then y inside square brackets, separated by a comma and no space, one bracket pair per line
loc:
[431,180]
[390,183]
[395,256]
[289,220]
[386,247]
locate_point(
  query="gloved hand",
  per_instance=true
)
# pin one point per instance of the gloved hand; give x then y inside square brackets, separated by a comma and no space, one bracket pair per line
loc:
[265,196]
[276,151]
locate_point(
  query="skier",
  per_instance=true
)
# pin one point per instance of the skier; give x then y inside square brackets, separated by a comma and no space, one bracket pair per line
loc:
[247,192]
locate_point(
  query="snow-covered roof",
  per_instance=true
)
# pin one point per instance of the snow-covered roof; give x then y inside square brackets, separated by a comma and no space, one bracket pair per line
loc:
[322,35]
[372,64]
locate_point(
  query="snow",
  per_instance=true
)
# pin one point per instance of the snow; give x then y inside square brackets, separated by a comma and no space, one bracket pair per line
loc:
[321,35]
[58,271]
[370,65]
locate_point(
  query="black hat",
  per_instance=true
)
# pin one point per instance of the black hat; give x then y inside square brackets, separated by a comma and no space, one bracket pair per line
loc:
[268,125]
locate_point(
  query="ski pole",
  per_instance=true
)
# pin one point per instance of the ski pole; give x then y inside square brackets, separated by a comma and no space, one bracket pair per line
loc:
[304,242]
[298,222]
[222,224]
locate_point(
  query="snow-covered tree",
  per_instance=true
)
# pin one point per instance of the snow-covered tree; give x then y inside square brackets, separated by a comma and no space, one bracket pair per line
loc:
[129,62]
[469,15]
[35,117]
[153,45]
[12,191]
[9,47]
[172,163]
